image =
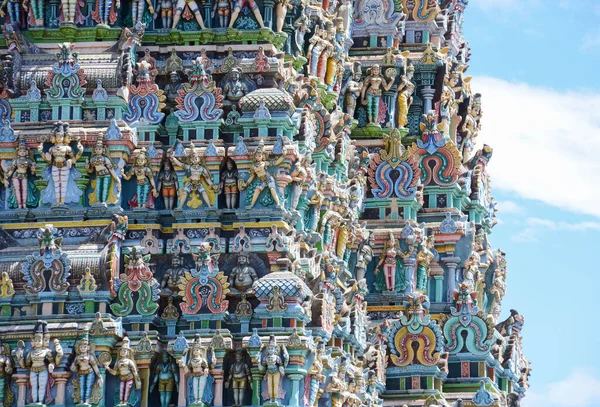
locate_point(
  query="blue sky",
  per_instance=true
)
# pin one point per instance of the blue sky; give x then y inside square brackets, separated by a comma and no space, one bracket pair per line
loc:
[536,64]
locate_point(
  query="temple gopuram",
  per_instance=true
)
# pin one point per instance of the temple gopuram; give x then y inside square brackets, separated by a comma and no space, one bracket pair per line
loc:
[247,203]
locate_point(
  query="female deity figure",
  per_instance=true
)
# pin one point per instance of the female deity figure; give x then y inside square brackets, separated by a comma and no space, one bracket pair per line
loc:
[337,386]
[40,360]
[371,92]
[127,371]
[14,10]
[229,184]
[199,177]
[70,10]
[105,12]
[137,10]
[353,89]
[238,379]
[106,178]
[260,169]
[424,257]
[6,370]
[168,184]
[61,172]
[471,269]
[405,91]
[165,375]
[300,176]
[312,387]
[146,189]
[393,268]
[197,366]
[223,9]
[273,364]
[23,192]
[239,5]
[86,367]
[194,8]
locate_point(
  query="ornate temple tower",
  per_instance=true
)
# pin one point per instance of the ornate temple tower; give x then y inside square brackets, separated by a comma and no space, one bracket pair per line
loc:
[247,203]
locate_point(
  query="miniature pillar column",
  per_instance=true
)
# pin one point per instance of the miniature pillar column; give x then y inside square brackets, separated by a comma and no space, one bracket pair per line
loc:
[268,13]
[103,375]
[427,93]
[207,12]
[218,375]
[439,280]
[61,387]
[257,377]
[389,97]
[295,394]
[451,263]
[145,378]
[182,399]
[21,379]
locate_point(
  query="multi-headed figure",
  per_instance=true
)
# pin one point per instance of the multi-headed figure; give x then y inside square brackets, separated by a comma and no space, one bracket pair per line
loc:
[199,177]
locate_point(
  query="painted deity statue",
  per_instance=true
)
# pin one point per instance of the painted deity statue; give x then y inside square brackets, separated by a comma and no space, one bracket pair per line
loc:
[281,10]
[242,275]
[449,103]
[317,378]
[6,370]
[365,255]
[70,9]
[107,183]
[239,5]
[234,88]
[194,8]
[424,257]
[393,267]
[13,8]
[88,374]
[40,360]
[197,366]
[23,191]
[353,89]
[260,170]
[405,92]
[168,185]
[471,269]
[165,7]
[199,177]
[170,282]
[273,361]
[36,13]
[127,370]
[371,92]
[337,386]
[61,172]
[300,176]
[167,379]
[137,10]
[106,11]
[222,8]
[146,189]
[172,88]
[316,46]
[239,379]
[229,184]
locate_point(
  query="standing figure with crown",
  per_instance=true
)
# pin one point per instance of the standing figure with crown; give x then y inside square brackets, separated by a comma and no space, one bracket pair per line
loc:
[107,184]
[146,189]
[23,189]
[272,361]
[127,371]
[89,378]
[260,171]
[40,361]
[199,177]
[198,368]
[61,173]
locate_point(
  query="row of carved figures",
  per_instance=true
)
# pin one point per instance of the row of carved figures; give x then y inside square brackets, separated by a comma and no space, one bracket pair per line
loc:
[105,12]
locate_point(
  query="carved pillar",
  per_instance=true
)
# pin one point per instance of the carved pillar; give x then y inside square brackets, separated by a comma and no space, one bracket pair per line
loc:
[295,393]
[268,13]
[145,377]
[389,97]
[451,263]
[61,387]
[257,377]
[54,14]
[21,379]
[409,269]
[207,12]
[218,374]
[427,93]
[182,399]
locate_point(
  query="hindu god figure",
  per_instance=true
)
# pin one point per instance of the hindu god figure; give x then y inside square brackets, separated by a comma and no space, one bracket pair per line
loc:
[166,377]
[260,170]
[424,257]
[393,268]
[23,190]
[273,364]
[300,176]
[137,10]
[316,376]
[14,10]
[234,88]
[405,91]
[40,360]
[194,8]
[353,89]
[168,185]
[145,181]
[126,369]
[242,276]
[281,9]
[238,379]
[166,14]
[61,172]
[371,92]
[106,11]
[6,370]
[223,9]
[86,367]
[229,184]
[107,182]
[197,366]
[170,281]
[239,5]
[199,177]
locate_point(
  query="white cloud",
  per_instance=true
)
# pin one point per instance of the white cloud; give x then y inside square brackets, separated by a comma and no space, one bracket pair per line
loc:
[554,225]
[546,143]
[591,42]
[527,235]
[509,207]
[579,389]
